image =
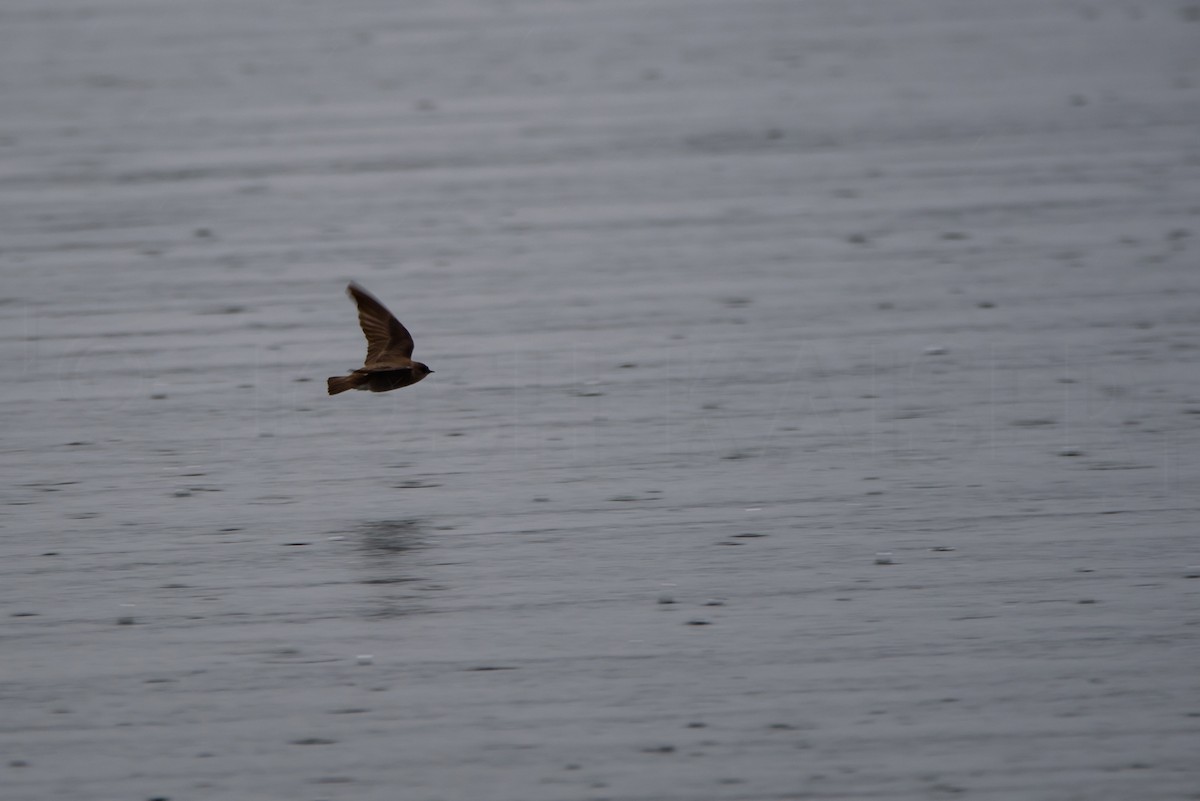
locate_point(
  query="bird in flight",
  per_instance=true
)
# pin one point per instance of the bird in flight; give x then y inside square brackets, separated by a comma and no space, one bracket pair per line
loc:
[389,363]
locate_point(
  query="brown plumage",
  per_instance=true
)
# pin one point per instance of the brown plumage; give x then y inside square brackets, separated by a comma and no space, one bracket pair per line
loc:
[389,363]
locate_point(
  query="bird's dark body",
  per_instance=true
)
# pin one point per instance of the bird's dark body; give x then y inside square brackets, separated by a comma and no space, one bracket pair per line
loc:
[384,380]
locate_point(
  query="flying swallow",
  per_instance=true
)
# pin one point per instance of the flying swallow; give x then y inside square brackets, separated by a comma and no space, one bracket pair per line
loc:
[389,363]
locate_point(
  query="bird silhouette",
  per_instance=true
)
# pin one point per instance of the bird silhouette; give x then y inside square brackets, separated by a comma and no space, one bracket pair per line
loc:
[389,364]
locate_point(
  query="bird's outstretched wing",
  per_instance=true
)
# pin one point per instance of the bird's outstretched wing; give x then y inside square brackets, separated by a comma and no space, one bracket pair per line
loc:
[386,337]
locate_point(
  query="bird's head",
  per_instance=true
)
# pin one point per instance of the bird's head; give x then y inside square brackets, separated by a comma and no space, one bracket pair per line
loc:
[422,369]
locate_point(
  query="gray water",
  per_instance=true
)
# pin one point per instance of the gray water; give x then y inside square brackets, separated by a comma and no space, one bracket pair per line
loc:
[814,412]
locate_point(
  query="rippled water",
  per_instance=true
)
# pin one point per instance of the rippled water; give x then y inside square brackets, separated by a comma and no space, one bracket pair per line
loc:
[814,407]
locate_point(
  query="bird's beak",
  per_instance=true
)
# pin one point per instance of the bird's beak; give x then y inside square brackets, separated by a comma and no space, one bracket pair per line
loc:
[431,371]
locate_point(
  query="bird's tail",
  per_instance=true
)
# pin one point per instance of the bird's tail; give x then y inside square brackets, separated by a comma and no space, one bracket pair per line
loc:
[342,383]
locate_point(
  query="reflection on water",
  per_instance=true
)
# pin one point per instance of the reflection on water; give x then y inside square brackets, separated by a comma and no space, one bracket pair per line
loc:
[397,586]
[384,538]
